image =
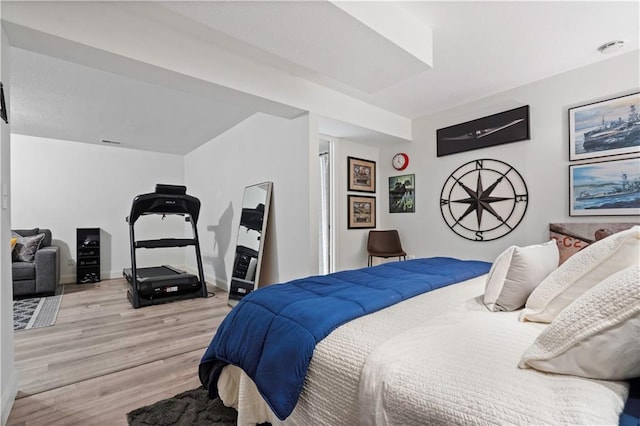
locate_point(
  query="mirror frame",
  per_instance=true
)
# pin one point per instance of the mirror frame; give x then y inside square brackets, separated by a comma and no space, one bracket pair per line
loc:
[233,299]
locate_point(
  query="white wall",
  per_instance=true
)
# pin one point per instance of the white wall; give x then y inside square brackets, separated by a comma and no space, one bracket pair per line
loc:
[262,148]
[8,374]
[64,185]
[350,245]
[542,161]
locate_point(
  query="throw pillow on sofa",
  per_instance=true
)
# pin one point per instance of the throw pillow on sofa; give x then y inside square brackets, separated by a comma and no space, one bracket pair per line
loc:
[18,235]
[14,254]
[26,248]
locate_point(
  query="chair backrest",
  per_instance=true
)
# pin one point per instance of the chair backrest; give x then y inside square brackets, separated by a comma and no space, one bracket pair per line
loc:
[384,242]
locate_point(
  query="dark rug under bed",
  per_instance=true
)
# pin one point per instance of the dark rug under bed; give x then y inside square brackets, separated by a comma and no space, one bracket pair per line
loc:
[188,408]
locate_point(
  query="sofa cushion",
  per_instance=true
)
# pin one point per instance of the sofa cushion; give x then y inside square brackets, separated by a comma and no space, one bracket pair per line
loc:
[27,232]
[14,254]
[46,242]
[23,270]
[19,233]
[26,247]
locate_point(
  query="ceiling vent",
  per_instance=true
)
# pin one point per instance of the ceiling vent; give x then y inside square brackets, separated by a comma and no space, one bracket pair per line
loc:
[111,142]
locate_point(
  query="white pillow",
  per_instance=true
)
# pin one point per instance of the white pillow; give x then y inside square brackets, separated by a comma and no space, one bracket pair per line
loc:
[516,272]
[597,336]
[581,272]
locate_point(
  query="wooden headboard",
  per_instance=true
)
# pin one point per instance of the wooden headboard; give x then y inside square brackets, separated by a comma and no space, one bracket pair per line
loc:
[573,237]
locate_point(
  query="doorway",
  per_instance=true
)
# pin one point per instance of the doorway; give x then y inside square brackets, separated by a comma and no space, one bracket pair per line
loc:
[326,237]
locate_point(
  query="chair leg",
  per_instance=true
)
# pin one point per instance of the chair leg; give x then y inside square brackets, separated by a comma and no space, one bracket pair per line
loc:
[370,261]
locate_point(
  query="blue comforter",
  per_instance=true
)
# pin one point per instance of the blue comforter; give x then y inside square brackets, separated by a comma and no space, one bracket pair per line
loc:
[272,333]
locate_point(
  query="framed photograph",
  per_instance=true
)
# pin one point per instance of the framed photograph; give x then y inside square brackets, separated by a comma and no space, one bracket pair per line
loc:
[362,175]
[496,129]
[607,188]
[362,212]
[402,194]
[610,127]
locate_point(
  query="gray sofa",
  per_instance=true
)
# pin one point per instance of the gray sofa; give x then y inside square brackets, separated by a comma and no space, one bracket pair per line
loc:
[41,276]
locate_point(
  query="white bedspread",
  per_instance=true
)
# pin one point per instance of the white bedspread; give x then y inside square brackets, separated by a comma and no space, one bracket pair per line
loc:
[331,391]
[464,371]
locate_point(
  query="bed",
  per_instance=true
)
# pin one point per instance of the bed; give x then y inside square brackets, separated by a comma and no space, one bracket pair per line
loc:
[438,357]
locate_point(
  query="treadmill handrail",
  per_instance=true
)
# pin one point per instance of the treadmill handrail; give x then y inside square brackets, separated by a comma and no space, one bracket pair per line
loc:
[166,242]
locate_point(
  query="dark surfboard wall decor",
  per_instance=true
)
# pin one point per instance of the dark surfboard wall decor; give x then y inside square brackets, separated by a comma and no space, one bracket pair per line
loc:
[504,127]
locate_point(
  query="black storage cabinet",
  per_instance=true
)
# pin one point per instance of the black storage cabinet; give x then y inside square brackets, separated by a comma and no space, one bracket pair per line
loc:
[87,255]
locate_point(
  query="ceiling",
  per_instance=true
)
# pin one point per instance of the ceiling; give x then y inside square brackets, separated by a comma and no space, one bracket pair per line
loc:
[477,49]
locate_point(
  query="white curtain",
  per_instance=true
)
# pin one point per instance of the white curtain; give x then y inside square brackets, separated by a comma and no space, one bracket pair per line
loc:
[324,213]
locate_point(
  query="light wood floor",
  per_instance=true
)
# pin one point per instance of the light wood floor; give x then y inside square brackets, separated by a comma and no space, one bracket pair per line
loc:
[102,358]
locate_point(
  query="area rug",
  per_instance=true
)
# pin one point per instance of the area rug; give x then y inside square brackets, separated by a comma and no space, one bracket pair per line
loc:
[192,407]
[36,312]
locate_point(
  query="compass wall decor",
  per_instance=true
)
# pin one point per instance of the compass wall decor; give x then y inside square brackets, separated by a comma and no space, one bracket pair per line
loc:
[484,199]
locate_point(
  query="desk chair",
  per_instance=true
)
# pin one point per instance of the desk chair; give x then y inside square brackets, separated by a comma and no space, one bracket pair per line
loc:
[384,244]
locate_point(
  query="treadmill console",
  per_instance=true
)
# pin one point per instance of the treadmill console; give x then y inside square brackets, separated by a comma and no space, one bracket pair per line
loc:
[240,288]
[244,266]
[171,189]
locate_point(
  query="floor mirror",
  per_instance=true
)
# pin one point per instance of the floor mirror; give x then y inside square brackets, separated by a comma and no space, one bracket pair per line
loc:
[250,242]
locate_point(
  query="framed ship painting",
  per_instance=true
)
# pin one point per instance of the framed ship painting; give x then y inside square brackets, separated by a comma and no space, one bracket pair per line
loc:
[607,188]
[610,127]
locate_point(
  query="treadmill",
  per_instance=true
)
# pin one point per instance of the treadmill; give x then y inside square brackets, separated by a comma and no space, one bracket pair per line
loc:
[161,284]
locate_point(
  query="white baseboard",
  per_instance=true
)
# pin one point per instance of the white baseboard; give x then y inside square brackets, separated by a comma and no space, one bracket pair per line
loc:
[71,278]
[67,279]
[9,395]
[116,273]
[211,281]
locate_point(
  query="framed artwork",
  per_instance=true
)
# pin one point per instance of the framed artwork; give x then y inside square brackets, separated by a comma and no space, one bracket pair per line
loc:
[496,129]
[484,199]
[610,127]
[362,212]
[362,175]
[402,194]
[607,188]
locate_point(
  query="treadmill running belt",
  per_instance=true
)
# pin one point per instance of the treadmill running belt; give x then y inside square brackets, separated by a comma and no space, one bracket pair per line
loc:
[155,271]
